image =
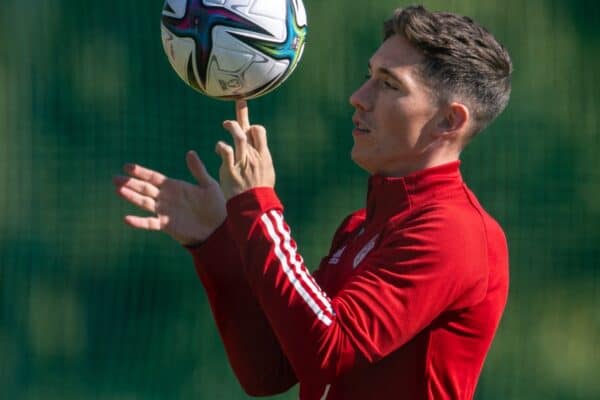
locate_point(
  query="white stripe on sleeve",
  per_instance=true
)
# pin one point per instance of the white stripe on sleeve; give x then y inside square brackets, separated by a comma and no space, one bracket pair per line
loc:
[326,392]
[301,272]
[290,274]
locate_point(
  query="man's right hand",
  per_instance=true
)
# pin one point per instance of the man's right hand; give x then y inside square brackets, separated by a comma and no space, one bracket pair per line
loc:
[188,213]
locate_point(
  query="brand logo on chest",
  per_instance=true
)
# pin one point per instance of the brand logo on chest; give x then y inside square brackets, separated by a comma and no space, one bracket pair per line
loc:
[360,256]
[335,258]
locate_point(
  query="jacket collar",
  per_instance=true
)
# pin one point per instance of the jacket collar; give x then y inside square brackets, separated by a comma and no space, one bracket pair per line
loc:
[388,196]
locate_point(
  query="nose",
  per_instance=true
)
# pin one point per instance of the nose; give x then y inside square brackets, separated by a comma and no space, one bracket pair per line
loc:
[362,97]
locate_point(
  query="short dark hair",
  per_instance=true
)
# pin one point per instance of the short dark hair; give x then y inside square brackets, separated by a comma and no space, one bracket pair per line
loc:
[463,60]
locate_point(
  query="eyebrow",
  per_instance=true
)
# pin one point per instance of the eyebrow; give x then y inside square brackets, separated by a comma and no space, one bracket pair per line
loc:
[388,72]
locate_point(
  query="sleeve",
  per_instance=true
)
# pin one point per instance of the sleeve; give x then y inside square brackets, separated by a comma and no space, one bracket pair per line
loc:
[402,286]
[252,349]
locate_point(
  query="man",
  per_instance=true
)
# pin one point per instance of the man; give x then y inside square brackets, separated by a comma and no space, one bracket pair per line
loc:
[406,304]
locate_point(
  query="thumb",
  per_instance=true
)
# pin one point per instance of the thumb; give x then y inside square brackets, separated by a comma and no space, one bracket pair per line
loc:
[197,168]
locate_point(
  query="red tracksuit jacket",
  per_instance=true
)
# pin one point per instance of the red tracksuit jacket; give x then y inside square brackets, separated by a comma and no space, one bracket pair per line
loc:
[405,306]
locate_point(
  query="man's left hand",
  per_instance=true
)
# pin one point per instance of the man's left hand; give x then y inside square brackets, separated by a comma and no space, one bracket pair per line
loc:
[249,164]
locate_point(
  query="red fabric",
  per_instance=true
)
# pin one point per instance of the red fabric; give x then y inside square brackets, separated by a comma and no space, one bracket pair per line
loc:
[405,306]
[252,349]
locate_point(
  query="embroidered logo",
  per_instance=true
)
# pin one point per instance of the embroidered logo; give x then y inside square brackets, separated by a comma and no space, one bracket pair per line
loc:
[335,258]
[364,251]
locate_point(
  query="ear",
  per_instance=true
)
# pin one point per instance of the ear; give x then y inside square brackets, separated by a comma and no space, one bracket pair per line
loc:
[454,121]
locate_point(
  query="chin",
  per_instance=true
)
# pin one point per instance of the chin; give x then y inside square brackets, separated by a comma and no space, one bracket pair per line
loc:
[360,162]
[354,156]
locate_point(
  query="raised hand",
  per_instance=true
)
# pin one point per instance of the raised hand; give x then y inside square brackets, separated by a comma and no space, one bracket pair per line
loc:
[186,212]
[249,165]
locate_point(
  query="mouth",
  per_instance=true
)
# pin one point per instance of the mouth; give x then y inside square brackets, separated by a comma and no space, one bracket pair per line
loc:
[359,127]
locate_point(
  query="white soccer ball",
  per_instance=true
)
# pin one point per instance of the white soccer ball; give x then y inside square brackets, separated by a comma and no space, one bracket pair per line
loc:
[232,49]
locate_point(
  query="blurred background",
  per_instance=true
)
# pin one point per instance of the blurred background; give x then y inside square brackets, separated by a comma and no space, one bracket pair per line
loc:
[91,309]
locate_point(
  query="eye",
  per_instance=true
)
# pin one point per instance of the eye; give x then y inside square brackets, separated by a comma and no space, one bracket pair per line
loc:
[388,85]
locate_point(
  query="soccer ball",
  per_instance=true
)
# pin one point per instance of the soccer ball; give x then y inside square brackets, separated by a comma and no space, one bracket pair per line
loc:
[232,49]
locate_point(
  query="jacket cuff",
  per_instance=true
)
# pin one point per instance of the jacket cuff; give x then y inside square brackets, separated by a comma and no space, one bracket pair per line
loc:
[259,199]
[216,243]
[244,210]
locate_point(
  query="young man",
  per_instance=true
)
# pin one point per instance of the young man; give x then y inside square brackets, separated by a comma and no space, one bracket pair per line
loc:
[406,304]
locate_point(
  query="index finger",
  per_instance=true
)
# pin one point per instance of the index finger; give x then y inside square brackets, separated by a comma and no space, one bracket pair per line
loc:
[241,113]
[137,171]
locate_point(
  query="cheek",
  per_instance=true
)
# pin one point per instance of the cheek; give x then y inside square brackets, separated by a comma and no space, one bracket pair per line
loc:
[393,123]
[404,120]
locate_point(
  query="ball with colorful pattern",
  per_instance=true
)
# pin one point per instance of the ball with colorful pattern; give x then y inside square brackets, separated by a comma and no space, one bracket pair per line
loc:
[232,49]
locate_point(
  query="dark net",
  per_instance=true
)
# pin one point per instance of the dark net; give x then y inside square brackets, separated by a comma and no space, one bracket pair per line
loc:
[91,309]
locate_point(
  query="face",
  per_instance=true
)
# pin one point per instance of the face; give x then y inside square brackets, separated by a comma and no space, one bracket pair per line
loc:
[395,119]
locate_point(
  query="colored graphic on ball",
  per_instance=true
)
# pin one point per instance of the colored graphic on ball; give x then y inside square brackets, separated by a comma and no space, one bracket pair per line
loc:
[230,49]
